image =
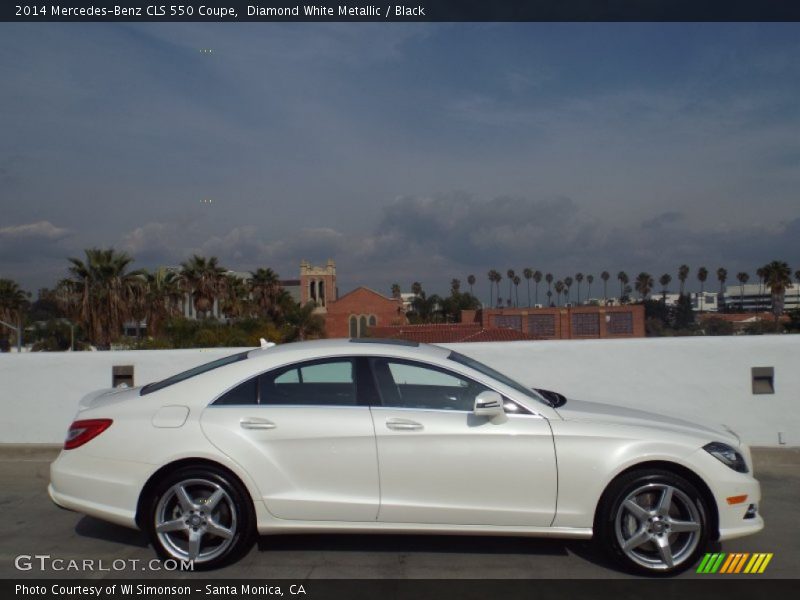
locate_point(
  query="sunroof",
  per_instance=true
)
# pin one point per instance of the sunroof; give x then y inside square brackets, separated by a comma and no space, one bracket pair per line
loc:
[389,341]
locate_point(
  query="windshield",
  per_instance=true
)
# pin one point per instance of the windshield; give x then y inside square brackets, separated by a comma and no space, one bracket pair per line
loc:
[214,364]
[490,372]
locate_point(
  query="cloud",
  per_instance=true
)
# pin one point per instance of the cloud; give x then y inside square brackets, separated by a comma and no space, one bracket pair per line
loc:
[31,241]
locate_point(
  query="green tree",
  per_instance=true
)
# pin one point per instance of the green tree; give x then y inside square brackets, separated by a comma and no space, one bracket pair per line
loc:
[13,304]
[579,280]
[605,276]
[265,290]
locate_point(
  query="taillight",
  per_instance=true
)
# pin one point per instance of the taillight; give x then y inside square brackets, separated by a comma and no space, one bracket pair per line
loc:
[81,432]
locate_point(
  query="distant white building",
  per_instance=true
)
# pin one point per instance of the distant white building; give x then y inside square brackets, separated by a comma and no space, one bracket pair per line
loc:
[753,297]
[705,302]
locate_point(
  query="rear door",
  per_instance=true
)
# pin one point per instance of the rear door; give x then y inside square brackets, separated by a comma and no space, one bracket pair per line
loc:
[303,436]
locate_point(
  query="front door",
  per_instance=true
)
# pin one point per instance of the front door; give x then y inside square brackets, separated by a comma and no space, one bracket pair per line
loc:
[441,464]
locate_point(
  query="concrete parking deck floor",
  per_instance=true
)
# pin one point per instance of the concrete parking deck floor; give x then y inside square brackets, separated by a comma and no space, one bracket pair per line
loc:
[32,525]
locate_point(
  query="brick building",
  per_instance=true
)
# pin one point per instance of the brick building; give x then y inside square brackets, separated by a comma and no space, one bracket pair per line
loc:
[355,312]
[512,324]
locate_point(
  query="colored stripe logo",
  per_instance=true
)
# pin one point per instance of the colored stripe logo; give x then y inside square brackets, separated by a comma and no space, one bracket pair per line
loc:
[734,562]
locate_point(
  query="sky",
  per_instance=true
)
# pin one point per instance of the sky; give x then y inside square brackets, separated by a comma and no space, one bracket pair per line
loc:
[405,152]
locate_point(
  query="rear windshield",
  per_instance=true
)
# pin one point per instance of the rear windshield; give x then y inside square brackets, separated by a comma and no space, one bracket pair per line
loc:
[214,364]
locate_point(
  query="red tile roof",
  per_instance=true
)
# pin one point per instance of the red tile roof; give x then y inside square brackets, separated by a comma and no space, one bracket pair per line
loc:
[442,333]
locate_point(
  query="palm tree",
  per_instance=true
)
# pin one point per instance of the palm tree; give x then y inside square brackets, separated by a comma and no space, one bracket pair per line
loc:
[235,303]
[163,298]
[305,323]
[528,274]
[416,288]
[797,279]
[567,286]
[396,293]
[559,289]
[579,279]
[493,276]
[13,302]
[644,284]
[702,275]
[204,280]
[623,281]
[549,298]
[605,276]
[265,287]
[517,281]
[664,280]
[589,282]
[722,277]
[537,278]
[510,274]
[761,274]
[549,279]
[455,286]
[471,281]
[743,278]
[683,275]
[101,292]
[777,277]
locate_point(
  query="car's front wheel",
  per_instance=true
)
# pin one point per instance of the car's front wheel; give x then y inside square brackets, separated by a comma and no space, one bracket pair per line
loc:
[202,515]
[653,522]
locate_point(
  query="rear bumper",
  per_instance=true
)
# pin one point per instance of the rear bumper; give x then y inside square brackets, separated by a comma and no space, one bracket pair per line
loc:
[101,488]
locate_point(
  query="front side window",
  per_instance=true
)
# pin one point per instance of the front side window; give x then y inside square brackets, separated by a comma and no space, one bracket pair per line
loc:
[408,384]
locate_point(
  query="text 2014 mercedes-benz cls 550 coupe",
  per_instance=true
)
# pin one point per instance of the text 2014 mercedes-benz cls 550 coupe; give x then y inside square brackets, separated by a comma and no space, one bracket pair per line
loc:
[369,436]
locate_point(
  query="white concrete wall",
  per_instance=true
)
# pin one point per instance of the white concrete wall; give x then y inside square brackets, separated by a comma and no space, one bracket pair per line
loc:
[704,379]
[40,391]
[699,378]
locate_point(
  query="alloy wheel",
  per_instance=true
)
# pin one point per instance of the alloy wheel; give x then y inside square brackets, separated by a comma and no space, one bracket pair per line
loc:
[658,526]
[196,519]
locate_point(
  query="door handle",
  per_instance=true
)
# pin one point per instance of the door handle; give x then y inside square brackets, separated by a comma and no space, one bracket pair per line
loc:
[257,424]
[403,425]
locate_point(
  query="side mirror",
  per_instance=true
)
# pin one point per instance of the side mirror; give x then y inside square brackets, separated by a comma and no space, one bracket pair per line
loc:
[489,404]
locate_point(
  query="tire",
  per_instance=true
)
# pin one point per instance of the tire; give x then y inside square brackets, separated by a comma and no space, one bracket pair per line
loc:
[202,514]
[653,522]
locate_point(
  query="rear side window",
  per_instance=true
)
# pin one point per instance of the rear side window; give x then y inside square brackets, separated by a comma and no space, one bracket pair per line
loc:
[323,383]
[317,383]
[215,364]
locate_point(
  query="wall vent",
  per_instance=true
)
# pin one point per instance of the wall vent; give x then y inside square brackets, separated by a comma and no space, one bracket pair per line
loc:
[763,380]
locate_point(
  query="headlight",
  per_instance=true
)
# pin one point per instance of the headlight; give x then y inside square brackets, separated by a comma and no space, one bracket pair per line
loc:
[727,455]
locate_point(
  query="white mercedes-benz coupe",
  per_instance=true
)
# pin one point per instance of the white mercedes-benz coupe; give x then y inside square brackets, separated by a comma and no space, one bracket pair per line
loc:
[388,436]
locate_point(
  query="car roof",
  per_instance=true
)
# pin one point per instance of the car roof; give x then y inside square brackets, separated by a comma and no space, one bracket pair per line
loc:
[359,346]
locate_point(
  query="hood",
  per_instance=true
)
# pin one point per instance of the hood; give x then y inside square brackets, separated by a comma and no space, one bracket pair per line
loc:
[595,412]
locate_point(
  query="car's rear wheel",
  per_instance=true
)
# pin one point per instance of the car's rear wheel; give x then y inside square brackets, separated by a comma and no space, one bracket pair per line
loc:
[200,514]
[653,522]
